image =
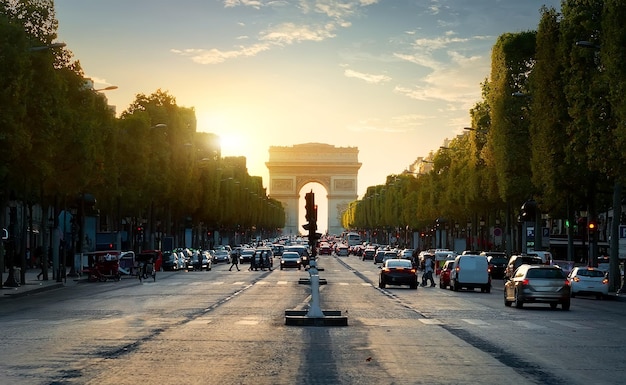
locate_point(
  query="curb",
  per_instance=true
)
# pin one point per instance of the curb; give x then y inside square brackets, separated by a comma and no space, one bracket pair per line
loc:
[23,293]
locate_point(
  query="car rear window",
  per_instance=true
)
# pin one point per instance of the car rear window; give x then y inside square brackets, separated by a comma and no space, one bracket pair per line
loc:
[590,273]
[399,263]
[545,273]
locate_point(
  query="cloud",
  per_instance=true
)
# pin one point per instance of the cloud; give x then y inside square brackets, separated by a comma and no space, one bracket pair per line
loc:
[216,56]
[368,78]
[290,33]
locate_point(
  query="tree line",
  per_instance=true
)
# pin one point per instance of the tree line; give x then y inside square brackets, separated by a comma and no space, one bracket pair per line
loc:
[62,142]
[550,126]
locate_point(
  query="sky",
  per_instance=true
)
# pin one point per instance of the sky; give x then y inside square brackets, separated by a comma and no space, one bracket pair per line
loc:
[394,78]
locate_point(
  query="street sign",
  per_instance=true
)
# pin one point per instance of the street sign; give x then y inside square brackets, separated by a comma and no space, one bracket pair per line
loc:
[5,234]
[622,232]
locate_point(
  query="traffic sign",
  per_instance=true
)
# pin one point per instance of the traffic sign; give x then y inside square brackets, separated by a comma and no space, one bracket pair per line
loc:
[622,231]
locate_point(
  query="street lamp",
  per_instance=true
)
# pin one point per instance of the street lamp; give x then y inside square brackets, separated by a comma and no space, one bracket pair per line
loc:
[109,88]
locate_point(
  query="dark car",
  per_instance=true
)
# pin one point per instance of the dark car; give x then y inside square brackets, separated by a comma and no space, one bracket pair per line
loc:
[369,253]
[246,255]
[444,275]
[497,263]
[397,271]
[380,256]
[290,259]
[538,283]
[170,261]
[518,260]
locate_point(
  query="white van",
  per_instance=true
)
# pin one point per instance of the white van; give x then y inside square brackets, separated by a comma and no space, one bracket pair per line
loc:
[470,271]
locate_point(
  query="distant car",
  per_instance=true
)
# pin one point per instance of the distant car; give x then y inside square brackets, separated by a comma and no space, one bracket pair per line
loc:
[290,259]
[246,255]
[325,249]
[389,255]
[497,263]
[220,256]
[369,253]
[302,250]
[537,283]
[444,276]
[343,251]
[517,260]
[170,261]
[397,271]
[207,260]
[588,281]
[380,256]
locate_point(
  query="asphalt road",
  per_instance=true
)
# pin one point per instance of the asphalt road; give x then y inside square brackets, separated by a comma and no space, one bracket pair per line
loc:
[222,327]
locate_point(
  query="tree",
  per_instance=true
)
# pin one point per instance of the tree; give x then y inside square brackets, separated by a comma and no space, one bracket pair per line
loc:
[509,142]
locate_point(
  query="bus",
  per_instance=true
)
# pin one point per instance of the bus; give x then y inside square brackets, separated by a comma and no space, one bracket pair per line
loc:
[353,239]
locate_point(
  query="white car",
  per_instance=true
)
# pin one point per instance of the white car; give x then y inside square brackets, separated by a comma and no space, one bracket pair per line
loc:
[588,281]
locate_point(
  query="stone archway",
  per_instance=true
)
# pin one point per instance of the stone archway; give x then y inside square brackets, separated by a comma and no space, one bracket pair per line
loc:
[335,168]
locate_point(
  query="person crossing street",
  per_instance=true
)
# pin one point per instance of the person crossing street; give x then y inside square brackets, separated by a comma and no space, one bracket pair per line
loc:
[234,259]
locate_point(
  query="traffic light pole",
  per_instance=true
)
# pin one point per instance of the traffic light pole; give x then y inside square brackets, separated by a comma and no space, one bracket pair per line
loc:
[315,316]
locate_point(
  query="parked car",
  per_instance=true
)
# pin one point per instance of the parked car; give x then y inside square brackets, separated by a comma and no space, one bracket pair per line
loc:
[290,259]
[497,263]
[207,260]
[170,261]
[470,271]
[588,281]
[537,283]
[517,260]
[444,276]
[182,260]
[396,271]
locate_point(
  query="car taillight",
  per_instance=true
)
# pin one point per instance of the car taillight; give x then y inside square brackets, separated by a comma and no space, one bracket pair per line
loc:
[386,269]
[525,282]
[567,283]
[576,279]
[413,271]
[605,281]
[457,269]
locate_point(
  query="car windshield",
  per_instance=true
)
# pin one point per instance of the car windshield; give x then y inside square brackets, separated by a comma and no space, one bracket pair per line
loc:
[291,255]
[545,273]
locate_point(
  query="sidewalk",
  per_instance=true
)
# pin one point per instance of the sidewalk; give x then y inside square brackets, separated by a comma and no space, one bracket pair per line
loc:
[32,285]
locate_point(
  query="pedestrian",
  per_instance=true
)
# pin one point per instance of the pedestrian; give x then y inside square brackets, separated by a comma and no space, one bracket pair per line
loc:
[234,259]
[429,265]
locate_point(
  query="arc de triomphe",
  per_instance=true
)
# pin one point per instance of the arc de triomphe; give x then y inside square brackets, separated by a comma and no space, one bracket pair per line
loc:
[335,168]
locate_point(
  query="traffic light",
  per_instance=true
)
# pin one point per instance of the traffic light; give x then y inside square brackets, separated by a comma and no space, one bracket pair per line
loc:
[311,217]
[591,228]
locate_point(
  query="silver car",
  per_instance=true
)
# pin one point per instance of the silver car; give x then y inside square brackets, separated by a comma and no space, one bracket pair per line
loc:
[537,283]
